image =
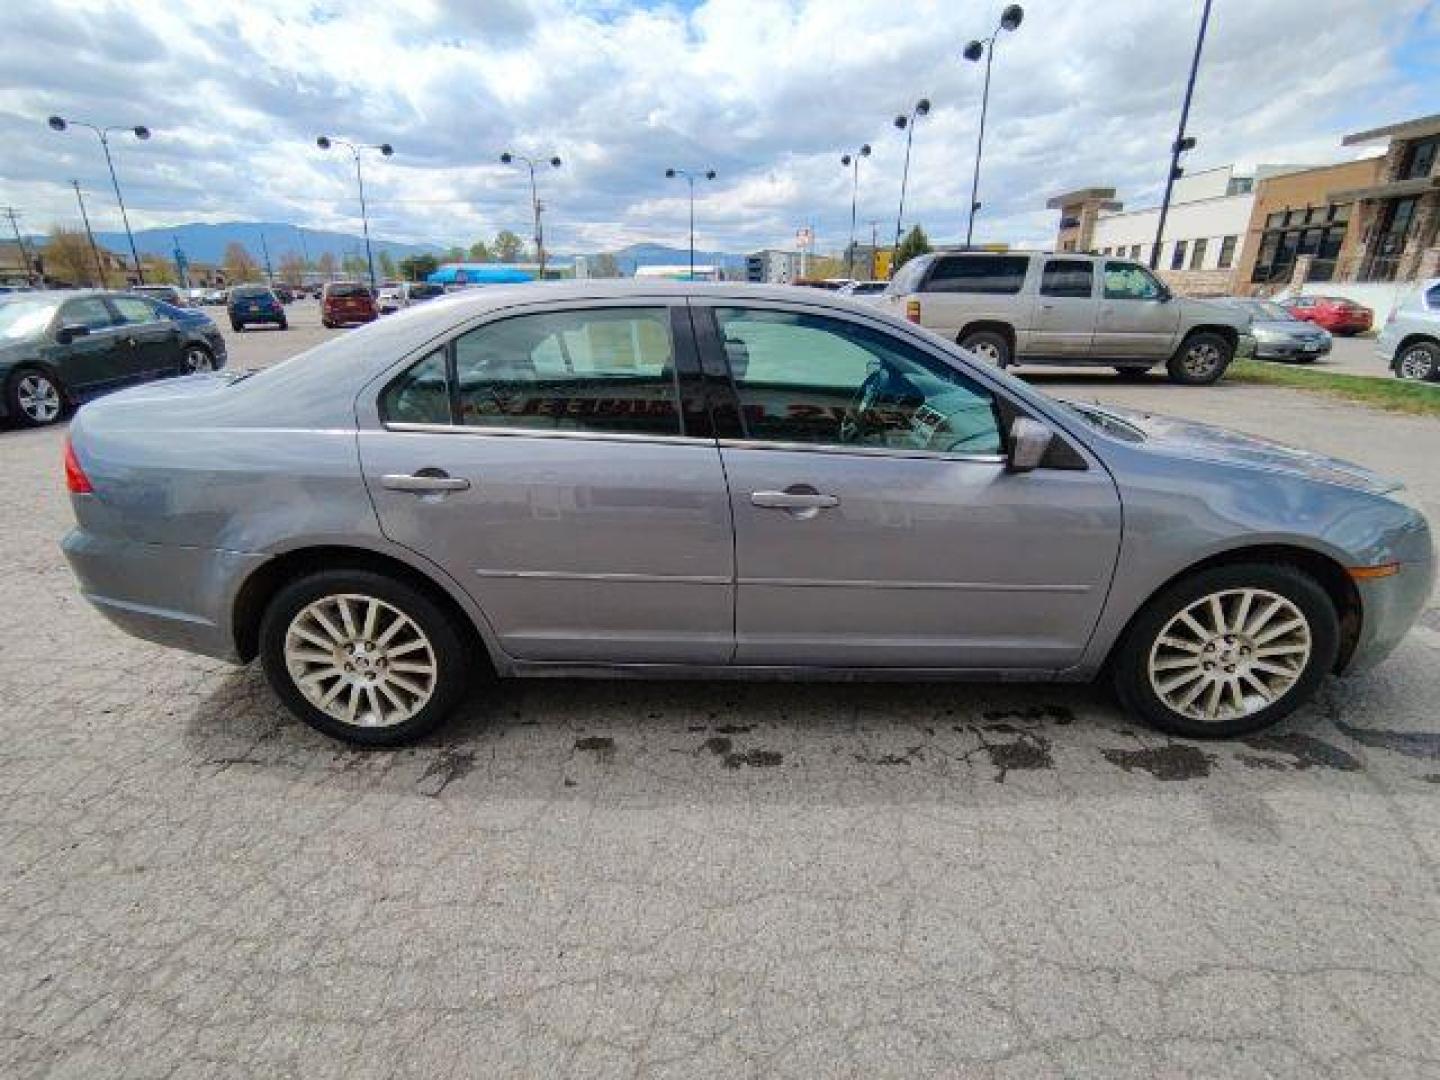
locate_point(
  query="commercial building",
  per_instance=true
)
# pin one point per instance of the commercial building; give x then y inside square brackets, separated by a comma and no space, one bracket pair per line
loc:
[1295,219]
[1398,214]
[772,266]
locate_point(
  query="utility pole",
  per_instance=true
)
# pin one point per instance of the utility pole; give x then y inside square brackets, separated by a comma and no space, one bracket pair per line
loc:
[94,248]
[1181,143]
[14,216]
[874,241]
[265,250]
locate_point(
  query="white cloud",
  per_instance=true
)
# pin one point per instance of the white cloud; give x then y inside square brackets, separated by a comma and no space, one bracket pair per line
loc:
[768,93]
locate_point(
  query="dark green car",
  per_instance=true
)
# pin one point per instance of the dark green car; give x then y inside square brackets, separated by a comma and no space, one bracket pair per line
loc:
[59,349]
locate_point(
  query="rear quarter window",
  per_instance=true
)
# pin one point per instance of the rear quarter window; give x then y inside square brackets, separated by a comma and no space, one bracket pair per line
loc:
[987,274]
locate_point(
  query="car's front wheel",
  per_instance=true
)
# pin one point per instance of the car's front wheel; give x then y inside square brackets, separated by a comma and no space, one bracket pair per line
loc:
[34,397]
[1419,361]
[1201,360]
[990,345]
[198,360]
[1228,650]
[363,657]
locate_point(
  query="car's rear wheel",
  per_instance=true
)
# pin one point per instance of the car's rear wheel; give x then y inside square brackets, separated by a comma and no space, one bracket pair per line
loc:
[1228,650]
[284,324]
[198,360]
[236,326]
[990,345]
[1201,359]
[362,657]
[34,397]
[1419,361]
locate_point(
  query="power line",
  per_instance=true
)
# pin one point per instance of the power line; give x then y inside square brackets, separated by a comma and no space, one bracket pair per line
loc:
[14,216]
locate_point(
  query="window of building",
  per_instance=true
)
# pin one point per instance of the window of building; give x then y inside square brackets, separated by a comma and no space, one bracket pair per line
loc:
[1134,251]
[1001,274]
[810,379]
[1420,158]
[1177,255]
[1307,233]
[1067,277]
[602,370]
[1197,254]
[1227,252]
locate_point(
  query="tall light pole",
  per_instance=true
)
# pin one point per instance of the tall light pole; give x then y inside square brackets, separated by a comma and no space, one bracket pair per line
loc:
[907,125]
[507,158]
[94,249]
[1010,19]
[852,161]
[325,142]
[1181,143]
[708,174]
[141,132]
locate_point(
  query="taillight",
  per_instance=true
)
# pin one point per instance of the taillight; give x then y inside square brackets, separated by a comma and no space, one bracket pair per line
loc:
[912,310]
[75,478]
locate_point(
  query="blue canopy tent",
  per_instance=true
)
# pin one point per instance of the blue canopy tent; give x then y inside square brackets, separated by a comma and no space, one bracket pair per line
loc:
[478,274]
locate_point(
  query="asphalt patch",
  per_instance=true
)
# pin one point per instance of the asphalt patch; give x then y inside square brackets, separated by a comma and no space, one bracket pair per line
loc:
[596,744]
[1174,761]
[756,759]
[1415,744]
[1304,751]
[717,745]
[1023,755]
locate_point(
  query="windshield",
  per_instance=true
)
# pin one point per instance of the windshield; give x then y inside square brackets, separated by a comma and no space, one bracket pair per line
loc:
[1265,309]
[249,292]
[24,318]
[348,290]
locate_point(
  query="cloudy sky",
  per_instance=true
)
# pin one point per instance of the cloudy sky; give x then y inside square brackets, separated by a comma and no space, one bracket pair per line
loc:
[767,92]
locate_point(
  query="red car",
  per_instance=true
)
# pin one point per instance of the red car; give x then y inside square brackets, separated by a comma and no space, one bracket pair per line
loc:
[1334,313]
[343,302]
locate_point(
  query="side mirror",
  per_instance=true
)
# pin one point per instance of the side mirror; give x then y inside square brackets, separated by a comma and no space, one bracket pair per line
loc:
[1029,439]
[67,334]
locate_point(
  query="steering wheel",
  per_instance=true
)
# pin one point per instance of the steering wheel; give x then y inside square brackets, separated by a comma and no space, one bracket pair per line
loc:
[854,427]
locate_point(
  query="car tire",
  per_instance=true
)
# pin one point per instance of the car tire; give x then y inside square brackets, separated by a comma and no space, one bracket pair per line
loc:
[34,398]
[327,324]
[237,327]
[284,324]
[990,345]
[1420,361]
[417,699]
[1263,671]
[1201,360]
[1131,374]
[197,360]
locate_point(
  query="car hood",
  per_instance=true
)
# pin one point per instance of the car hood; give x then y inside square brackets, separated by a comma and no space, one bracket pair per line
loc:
[1194,311]
[1206,442]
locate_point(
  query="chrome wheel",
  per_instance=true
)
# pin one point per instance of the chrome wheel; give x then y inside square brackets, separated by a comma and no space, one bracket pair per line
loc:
[1417,363]
[38,398]
[360,660]
[1201,359]
[1229,655]
[197,360]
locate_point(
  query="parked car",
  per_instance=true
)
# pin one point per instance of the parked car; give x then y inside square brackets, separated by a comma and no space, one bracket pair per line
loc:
[1041,307]
[168,293]
[707,480]
[255,305]
[63,348]
[283,293]
[343,303]
[390,297]
[863,288]
[417,292]
[1336,314]
[1278,334]
[1409,343]
[215,297]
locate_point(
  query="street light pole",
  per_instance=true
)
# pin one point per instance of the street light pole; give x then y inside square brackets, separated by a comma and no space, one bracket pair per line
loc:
[327,141]
[853,160]
[708,174]
[94,250]
[907,125]
[1010,19]
[536,207]
[141,132]
[1181,143]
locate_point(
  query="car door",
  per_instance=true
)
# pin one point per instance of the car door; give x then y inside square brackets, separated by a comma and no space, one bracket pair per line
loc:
[1064,321]
[1136,318]
[556,461]
[154,340]
[98,359]
[875,522]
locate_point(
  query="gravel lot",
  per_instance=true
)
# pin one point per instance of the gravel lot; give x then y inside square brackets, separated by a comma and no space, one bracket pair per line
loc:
[666,879]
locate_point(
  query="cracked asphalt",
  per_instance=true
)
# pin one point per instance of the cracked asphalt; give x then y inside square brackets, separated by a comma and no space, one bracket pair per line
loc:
[709,879]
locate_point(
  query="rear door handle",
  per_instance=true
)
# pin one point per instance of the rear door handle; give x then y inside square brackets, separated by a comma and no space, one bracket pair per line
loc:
[793,500]
[424,482]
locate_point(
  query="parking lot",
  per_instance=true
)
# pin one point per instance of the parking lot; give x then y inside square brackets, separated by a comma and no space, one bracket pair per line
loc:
[705,879]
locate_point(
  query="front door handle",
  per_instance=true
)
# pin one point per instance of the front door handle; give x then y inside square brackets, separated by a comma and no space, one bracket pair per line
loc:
[424,482]
[793,500]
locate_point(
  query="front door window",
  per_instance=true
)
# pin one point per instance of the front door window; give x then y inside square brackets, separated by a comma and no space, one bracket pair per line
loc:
[1130,281]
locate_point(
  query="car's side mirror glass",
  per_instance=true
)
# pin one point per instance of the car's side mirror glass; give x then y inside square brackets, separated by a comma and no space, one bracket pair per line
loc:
[1029,439]
[67,334]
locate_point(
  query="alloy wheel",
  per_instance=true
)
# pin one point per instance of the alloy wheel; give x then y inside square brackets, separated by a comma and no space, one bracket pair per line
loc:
[38,398]
[1201,359]
[1230,655]
[1417,363]
[197,360]
[360,660]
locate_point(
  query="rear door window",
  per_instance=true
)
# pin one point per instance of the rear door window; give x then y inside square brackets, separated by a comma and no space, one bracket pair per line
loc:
[133,310]
[88,311]
[1068,277]
[992,274]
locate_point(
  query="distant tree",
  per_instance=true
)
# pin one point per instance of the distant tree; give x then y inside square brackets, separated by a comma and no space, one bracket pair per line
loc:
[480,253]
[915,243]
[239,264]
[292,268]
[418,267]
[507,246]
[159,270]
[326,265]
[454,254]
[353,265]
[387,265]
[68,258]
[604,265]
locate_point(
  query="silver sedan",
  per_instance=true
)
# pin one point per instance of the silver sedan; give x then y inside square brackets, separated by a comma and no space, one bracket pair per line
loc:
[604,478]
